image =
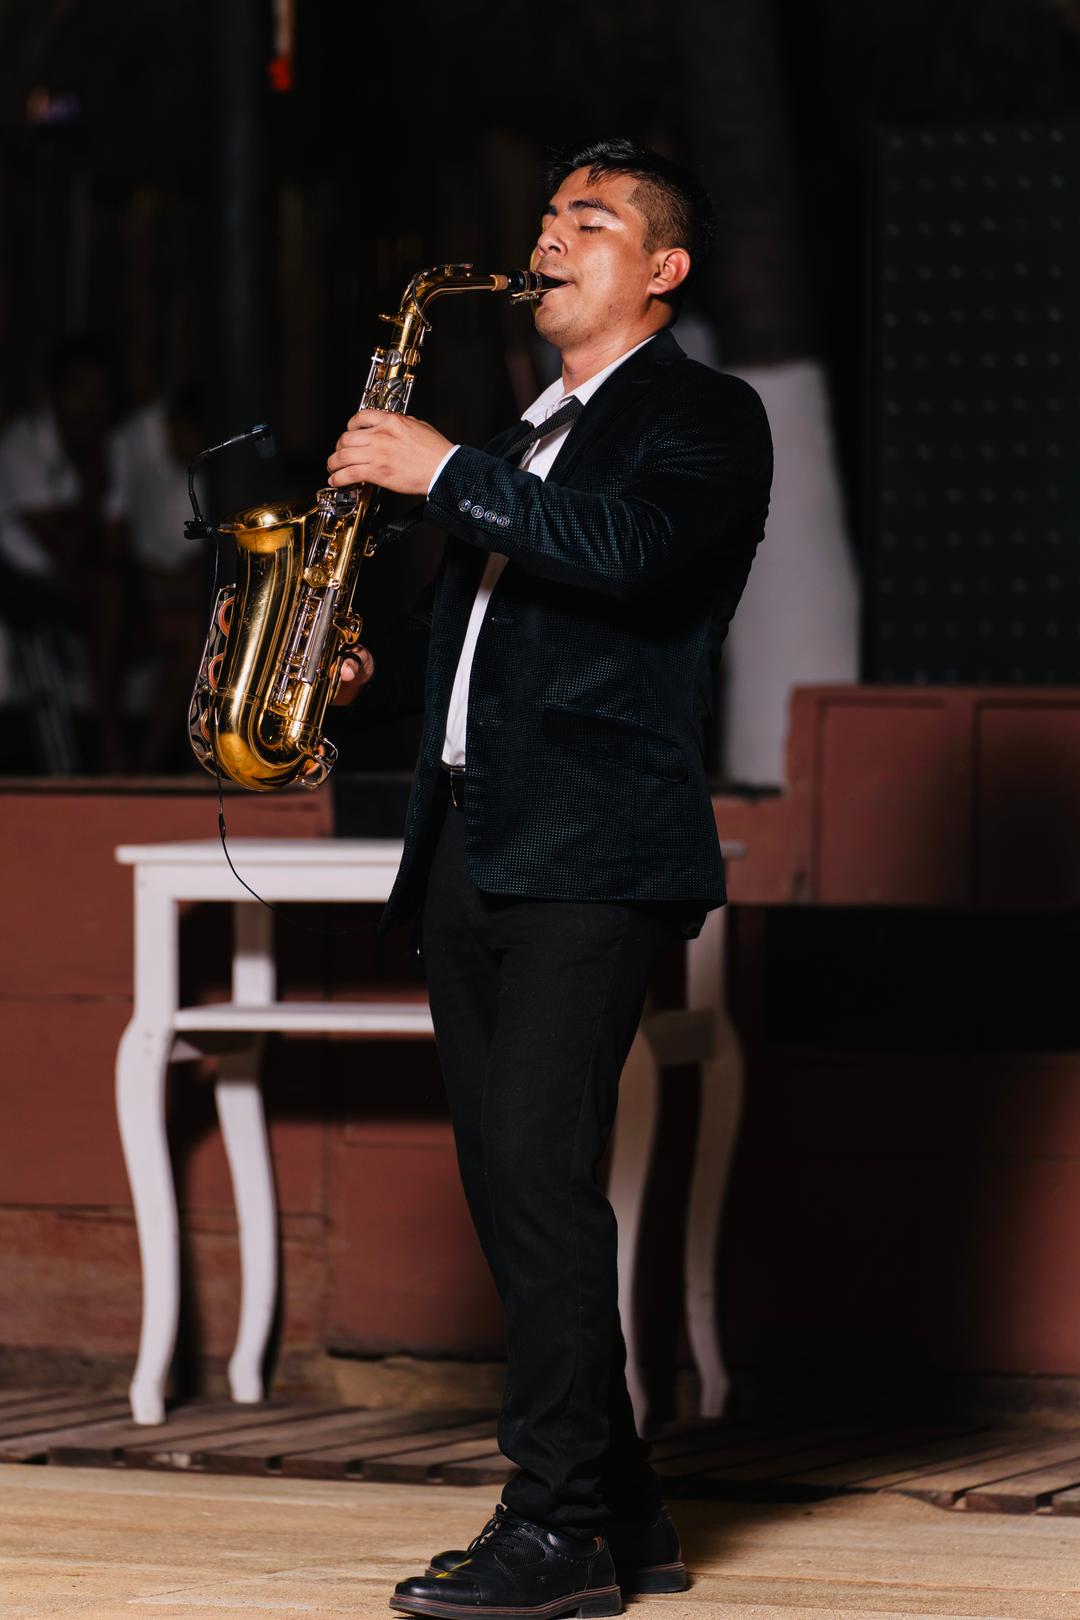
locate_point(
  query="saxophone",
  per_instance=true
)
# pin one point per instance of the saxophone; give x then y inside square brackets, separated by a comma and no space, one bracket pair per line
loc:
[277,636]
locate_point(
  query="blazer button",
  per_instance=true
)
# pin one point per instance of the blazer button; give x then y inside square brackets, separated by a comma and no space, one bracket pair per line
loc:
[477,512]
[504,522]
[463,506]
[489,517]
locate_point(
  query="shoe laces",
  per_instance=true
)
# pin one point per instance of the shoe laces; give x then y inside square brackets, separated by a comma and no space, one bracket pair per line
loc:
[500,1520]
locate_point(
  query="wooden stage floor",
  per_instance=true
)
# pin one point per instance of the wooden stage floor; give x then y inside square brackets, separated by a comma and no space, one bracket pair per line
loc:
[1014,1470]
[127,1544]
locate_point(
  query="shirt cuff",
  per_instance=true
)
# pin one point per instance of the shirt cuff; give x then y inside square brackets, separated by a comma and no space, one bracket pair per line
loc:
[439,469]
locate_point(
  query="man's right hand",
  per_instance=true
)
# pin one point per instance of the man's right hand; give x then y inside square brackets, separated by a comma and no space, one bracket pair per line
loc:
[357,668]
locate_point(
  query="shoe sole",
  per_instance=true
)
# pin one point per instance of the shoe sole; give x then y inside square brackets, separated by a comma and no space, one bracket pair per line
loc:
[657,1578]
[596,1605]
[645,1583]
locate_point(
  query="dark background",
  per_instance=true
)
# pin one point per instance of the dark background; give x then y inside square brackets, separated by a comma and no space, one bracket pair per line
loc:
[212,227]
[407,139]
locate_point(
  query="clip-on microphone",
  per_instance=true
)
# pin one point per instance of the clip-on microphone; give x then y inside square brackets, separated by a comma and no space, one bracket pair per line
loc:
[197,528]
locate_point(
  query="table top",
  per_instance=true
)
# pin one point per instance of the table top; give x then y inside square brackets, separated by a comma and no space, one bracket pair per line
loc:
[290,852]
[266,852]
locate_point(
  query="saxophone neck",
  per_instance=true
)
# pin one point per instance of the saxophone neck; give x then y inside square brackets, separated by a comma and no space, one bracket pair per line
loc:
[393,369]
[524,286]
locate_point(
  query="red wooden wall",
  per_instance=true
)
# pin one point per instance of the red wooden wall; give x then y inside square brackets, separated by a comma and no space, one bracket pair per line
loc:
[914,1207]
[917,796]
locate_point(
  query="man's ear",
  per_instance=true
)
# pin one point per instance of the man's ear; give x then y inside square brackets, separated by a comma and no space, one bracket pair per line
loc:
[673,267]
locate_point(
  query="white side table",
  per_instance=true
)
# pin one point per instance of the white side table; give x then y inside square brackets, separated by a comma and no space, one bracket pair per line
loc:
[160,1029]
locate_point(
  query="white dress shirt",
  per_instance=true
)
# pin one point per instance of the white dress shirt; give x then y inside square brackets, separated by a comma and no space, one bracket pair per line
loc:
[538,460]
[153,492]
[36,476]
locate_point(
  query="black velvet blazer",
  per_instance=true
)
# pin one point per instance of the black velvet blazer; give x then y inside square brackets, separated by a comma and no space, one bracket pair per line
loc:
[591,683]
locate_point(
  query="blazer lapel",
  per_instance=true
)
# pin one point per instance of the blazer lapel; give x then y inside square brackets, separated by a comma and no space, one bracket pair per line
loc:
[622,389]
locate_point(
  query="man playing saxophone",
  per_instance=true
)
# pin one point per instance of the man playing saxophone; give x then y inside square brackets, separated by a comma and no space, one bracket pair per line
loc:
[560,831]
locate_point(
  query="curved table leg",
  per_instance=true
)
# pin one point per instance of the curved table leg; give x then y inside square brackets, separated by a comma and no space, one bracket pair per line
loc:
[243,1129]
[142,1063]
[721,1102]
[631,1155]
[721,1105]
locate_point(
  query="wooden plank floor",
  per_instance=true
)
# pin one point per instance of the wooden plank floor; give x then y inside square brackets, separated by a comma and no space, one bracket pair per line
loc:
[126,1544]
[988,1469]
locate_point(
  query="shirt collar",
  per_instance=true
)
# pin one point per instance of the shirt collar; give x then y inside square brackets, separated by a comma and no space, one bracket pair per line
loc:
[553,396]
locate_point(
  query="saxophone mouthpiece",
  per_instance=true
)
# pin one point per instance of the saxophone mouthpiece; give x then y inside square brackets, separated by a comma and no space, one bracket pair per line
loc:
[528,286]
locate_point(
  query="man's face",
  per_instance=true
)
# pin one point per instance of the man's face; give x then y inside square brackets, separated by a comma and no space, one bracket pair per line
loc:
[592,238]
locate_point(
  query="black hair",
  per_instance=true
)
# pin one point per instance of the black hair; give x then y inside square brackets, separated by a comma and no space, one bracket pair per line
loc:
[678,210]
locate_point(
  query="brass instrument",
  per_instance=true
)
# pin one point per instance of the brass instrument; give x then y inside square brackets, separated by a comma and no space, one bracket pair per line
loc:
[277,637]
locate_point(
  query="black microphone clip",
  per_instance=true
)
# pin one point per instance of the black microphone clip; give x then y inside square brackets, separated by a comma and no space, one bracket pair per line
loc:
[262,433]
[197,528]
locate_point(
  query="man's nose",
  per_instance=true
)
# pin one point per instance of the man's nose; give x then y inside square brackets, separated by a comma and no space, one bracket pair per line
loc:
[549,242]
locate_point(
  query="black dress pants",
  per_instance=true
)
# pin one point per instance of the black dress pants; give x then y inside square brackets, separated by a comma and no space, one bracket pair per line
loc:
[535,1005]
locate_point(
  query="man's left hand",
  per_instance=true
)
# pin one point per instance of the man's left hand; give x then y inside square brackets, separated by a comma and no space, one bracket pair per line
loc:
[396,452]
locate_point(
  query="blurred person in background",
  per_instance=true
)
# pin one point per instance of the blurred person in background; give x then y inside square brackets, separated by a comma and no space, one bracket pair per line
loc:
[62,543]
[154,447]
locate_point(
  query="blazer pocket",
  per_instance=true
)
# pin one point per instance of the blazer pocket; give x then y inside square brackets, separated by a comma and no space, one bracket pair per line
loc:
[617,742]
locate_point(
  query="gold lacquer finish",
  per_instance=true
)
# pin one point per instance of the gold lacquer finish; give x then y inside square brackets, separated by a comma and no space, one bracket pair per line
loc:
[273,655]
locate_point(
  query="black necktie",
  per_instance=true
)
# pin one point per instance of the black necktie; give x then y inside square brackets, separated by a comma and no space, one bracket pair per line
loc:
[526,435]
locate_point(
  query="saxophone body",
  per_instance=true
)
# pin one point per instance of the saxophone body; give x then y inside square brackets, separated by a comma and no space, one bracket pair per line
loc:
[272,659]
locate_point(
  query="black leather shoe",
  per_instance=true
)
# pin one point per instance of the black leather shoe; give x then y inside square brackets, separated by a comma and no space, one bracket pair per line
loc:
[647,1558]
[516,1569]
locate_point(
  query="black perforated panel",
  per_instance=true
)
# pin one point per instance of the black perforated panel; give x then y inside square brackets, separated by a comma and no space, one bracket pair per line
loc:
[974,405]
